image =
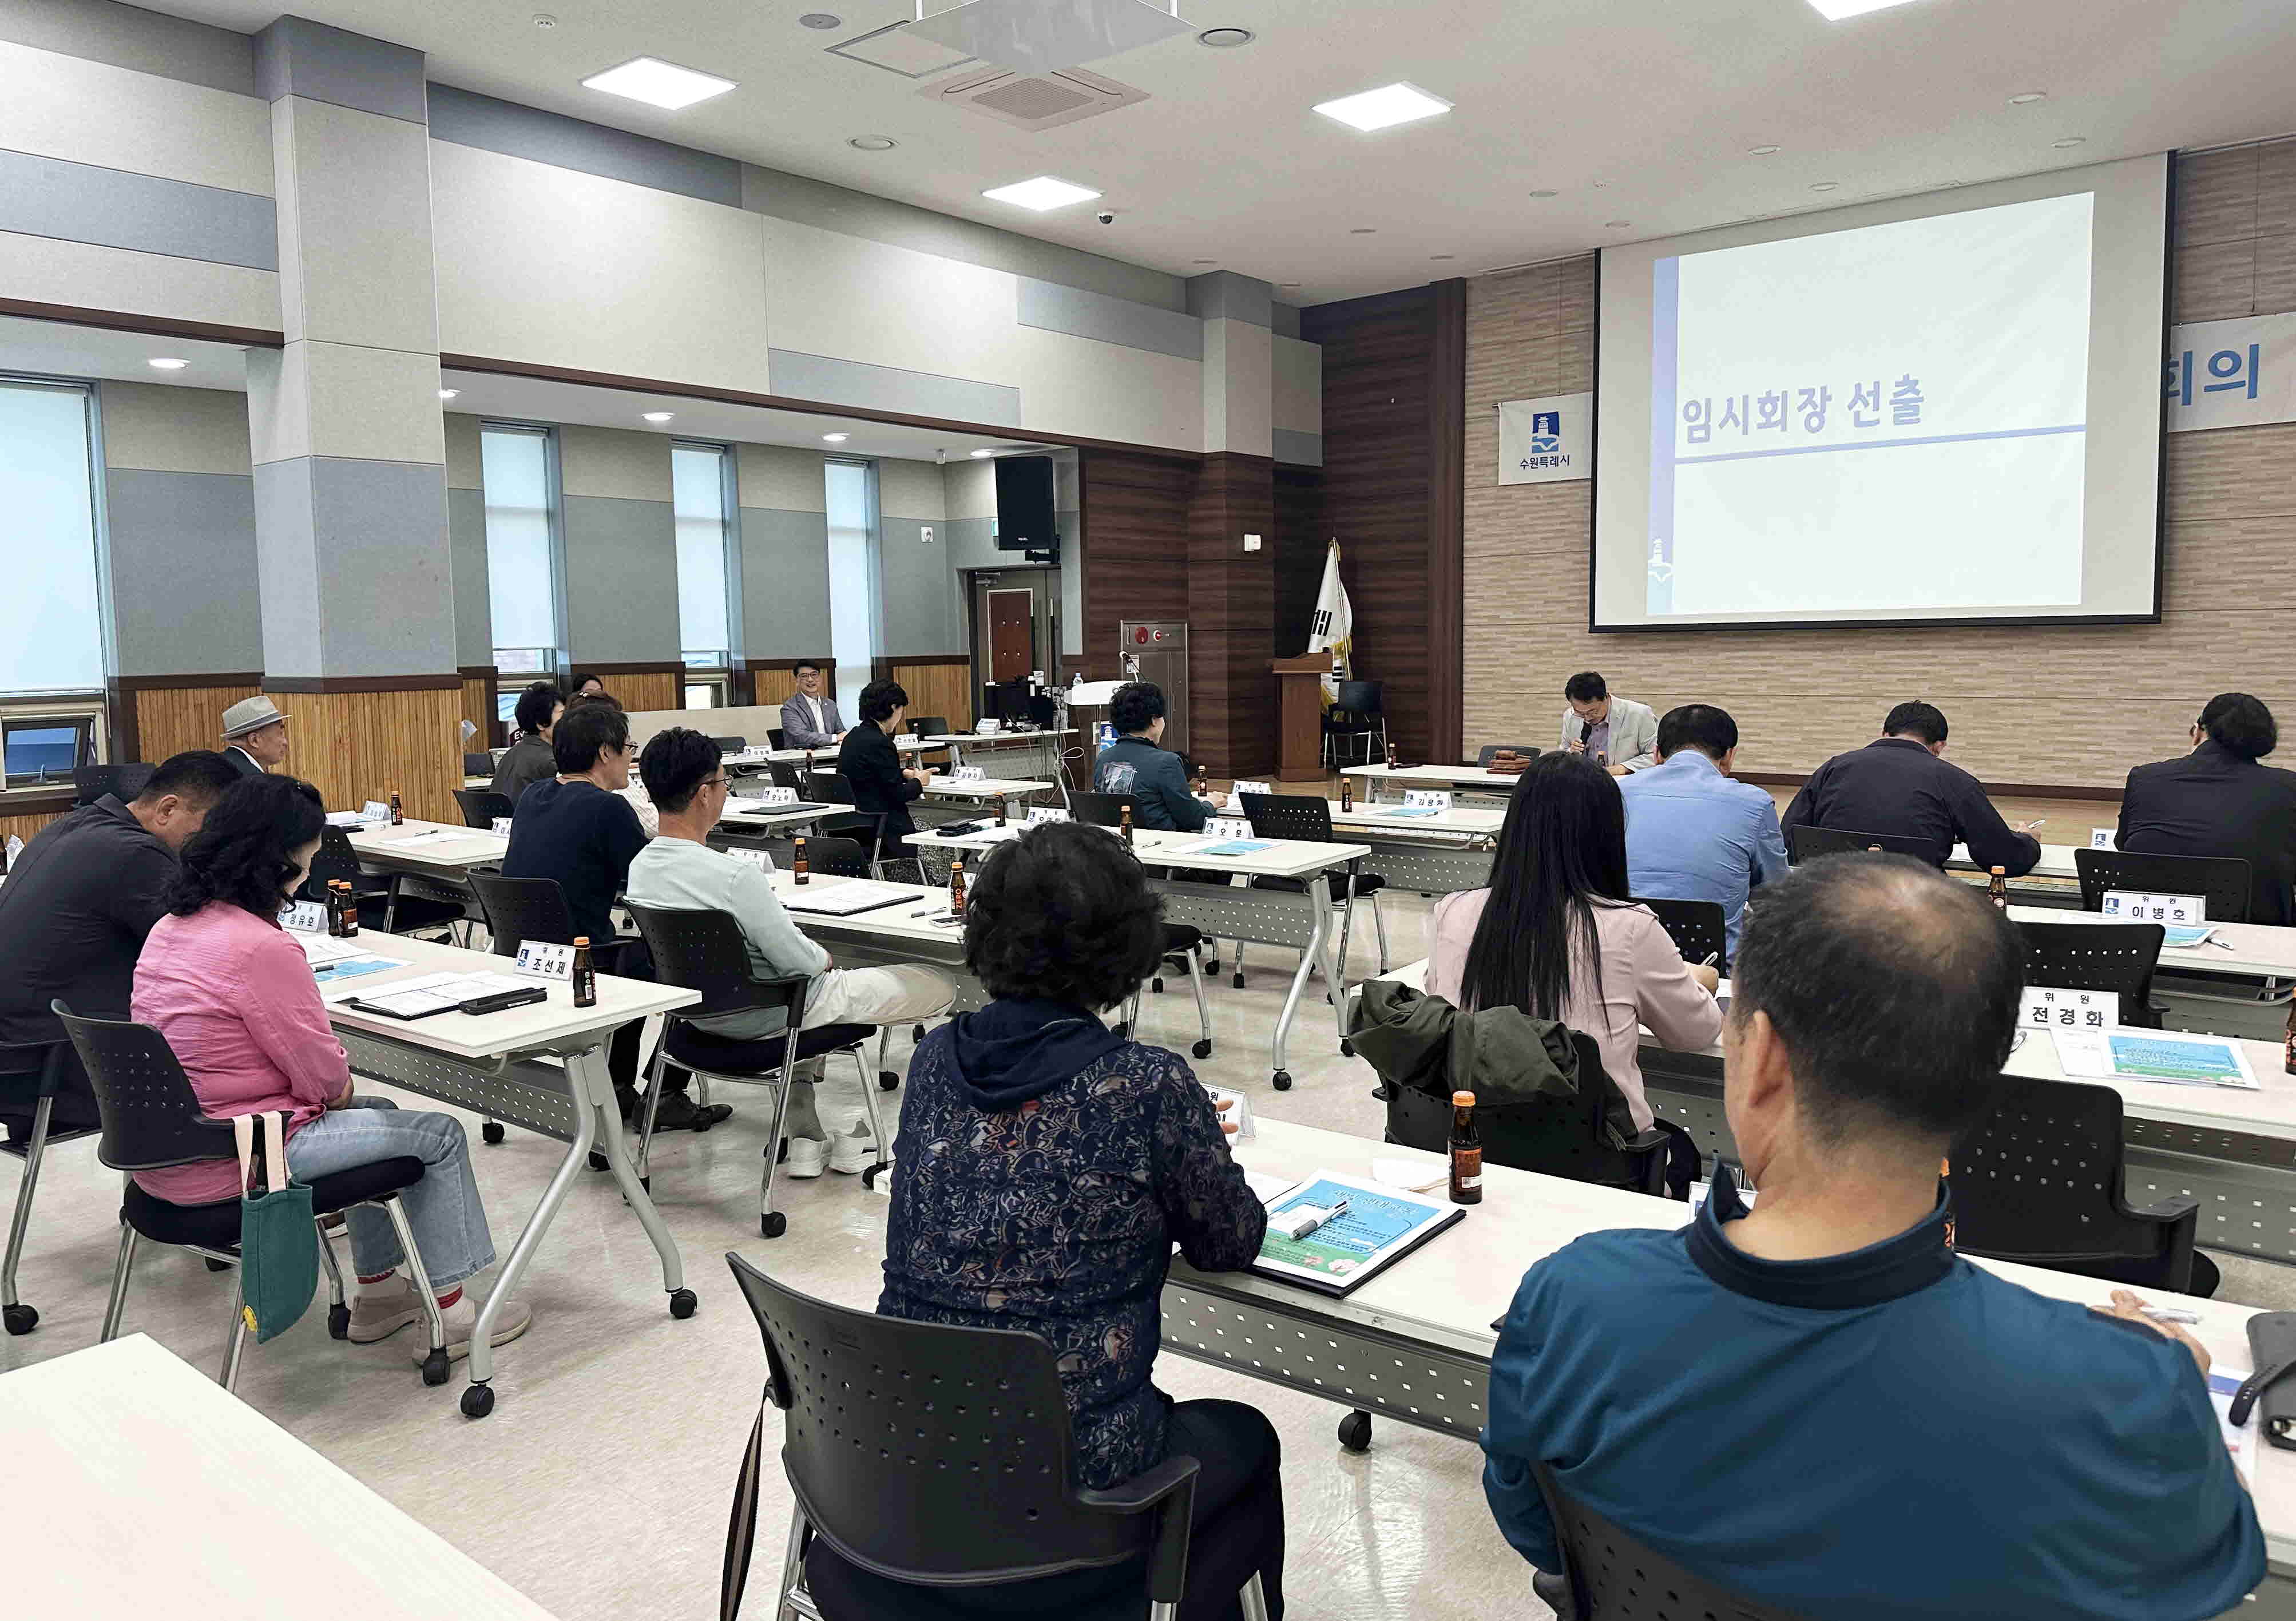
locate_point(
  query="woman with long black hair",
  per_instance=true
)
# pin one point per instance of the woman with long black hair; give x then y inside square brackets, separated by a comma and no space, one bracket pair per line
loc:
[1557,935]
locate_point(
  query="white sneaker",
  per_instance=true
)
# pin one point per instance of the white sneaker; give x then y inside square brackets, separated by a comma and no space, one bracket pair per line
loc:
[855,1153]
[462,1320]
[808,1157]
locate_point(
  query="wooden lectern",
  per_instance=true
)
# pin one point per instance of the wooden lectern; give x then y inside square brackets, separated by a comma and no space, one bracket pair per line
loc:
[1300,704]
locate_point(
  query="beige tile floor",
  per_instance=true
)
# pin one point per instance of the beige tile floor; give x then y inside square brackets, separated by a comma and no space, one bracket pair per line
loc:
[600,1484]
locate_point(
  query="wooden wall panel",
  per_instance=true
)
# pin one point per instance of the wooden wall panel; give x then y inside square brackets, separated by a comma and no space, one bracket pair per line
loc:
[1232,617]
[937,683]
[479,707]
[646,689]
[171,719]
[359,746]
[1135,558]
[2074,706]
[25,827]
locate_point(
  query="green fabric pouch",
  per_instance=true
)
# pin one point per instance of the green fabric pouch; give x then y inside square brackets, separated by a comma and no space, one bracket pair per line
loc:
[278,1245]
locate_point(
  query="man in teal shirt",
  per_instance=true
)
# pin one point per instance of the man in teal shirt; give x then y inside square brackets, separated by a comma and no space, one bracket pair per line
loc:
[1692,833]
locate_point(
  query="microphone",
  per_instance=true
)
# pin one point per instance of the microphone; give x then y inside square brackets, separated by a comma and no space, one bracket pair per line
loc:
[1586,731]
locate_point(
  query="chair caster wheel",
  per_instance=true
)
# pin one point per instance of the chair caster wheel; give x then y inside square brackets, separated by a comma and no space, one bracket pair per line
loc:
[1212,965]
[1157,985]
[597,1160]
[1238,980]
[1347,1049]
[1283,1080]
[1202,1049]
[916,1032]
[492,1131]
[1355,1432]
[682,1302]
[339,1322]
[435,1368]
[215,1265]
[869,1175]
[478,1400]
[887,1080]
[772,1224]
[20,1319]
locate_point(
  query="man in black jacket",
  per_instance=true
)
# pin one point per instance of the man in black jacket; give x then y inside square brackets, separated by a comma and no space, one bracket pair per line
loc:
[1137,764]
[1898,784]
[2218,801]
[74,913]
[870,762]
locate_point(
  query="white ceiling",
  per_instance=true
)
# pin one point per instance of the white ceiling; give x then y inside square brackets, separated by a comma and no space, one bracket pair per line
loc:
[1639,111]
[45,349]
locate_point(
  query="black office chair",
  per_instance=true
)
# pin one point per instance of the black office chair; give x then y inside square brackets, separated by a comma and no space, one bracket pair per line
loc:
[922,727]
[478,764]
[44,1067]
[152,1120]
[1807,843]
[92,782]
[2221,880]
[706,951]
[1699,930]
[967,1407]
[730,745]
[1483,754]
[386,909]
[1612,1576]
[1183,944]
[1309,817]
[776,738]
[480,806]
[2041,1182]
[1553,1136]
[832,857]
[2117,957]
[1104,810]
[867,829]
[785,773]
[827,788]
[1357,713]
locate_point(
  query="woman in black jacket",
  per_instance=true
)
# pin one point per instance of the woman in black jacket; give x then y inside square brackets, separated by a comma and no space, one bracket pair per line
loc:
[870,763]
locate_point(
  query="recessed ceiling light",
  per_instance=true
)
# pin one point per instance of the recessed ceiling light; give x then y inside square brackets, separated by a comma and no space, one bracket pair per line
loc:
[835,438]
[1383,108]
[982,455]
[164,363]
[1763,151]
[1826,185]
[2069,140]
[544,19]
[820,20]
[1836,11]
[1546,193]
[657,83]
[1442,256]
[873,143]
[1205,261]
[1041,193]
[660,416]
[1364,231]
[1225,39]
[448,393]
[2028,98]
[1617,224]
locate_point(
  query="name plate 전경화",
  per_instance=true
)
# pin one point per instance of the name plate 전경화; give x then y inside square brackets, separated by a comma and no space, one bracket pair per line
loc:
[2050,1008]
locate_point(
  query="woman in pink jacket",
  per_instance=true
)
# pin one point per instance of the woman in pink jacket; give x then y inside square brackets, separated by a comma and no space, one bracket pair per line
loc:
[233,992]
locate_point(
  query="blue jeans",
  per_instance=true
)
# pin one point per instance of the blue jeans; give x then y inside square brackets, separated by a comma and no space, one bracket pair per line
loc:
[443,1209]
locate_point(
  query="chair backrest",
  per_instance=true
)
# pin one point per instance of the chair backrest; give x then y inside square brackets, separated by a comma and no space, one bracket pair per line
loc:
[1806,843]
[1614,1577]
[1527,750]
[481,805]
[863,828]
[1556,1136]
[1104,810]
[1359,697]
[836,857]
[705,950]
[2040,1182]
[929,726]
[2117,957]
[785,773]
[2222,880]
[92,782]
[1698,929]
[334,859]
[730,745]
[1305,816]
[828,788]
[523,909]
[938,1455]
[478,765]
[151,1117]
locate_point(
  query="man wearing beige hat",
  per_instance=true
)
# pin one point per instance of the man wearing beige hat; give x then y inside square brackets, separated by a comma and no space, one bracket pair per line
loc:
[257,735]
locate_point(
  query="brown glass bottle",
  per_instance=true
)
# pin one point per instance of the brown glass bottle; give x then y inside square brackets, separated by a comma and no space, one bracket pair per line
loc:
[348,901]
[1000,810]
[586,976]
[397,811]
[1390,754]
[956,885]
[334,906]
[2288,1058]
[1997,888]
[1466,1151]
[1204,786]
[797,860]
[1347,794]
[1124,824]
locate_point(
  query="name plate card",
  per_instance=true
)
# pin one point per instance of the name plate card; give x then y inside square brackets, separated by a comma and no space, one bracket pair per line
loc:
[968,774]
[1227,827]
[303,917]
[2046,1008]
[374,810]
[1039,814]
[502,826]
[545,960]
[757,858]
[778,796]
[1426,798]
[1237,791]
[2102,838]
[2130,907]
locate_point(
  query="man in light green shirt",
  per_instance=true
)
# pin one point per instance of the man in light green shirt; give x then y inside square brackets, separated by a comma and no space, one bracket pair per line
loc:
[678,871]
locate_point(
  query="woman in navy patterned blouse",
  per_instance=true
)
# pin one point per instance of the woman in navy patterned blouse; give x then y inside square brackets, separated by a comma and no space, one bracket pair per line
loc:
[1046,1167]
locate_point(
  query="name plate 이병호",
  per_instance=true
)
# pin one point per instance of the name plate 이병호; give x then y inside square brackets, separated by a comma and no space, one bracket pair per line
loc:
[2130,907]
[2048,1008]
[545,960]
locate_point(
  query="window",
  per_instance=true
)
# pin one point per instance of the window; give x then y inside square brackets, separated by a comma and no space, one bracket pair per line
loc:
[705,694]
[51,622]
[702,497]
[525,570]
[851,491]
[44,744]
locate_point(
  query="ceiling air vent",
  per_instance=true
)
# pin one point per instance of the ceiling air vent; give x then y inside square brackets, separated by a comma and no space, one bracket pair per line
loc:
[1033,101]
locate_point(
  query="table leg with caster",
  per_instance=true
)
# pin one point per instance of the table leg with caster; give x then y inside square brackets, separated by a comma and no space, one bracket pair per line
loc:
[478,1394]
[588,1070]
[1308,959]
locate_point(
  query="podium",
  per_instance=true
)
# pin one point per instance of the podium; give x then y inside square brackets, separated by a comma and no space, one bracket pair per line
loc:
[1300,709]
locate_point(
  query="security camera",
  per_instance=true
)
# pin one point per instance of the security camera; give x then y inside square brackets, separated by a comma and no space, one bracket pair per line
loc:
[1107,216]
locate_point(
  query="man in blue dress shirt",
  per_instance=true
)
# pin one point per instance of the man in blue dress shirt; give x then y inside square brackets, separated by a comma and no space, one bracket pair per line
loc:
[1816,1403]
[1692,833]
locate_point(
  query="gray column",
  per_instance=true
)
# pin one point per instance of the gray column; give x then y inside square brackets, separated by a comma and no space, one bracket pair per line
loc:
[1238,314]
[350,489]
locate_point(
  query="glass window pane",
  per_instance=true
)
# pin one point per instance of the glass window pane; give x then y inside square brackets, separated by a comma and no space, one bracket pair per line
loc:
[521,594]
[46,751]
[50,630]
[698,490]
[702,698]
[852,500]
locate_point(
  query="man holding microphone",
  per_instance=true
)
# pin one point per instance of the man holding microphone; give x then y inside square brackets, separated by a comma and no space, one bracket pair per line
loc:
[1617,734]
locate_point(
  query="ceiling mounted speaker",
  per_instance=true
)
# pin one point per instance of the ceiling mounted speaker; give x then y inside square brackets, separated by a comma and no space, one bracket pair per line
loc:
[1034,36]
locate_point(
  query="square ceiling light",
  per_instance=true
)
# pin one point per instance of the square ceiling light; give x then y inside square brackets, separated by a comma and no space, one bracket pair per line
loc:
[1032,36]
[1041,193]
[1834,10]
[1385,108]
[657,83]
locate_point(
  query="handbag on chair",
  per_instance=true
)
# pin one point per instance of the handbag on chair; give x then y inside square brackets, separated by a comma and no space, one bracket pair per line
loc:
[278,1246]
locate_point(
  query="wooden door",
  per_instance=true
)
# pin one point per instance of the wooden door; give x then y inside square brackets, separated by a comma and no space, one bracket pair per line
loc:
[1012,634]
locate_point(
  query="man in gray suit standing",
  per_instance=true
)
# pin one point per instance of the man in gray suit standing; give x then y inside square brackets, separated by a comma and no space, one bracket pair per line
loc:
[809,720]
[1617,734]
